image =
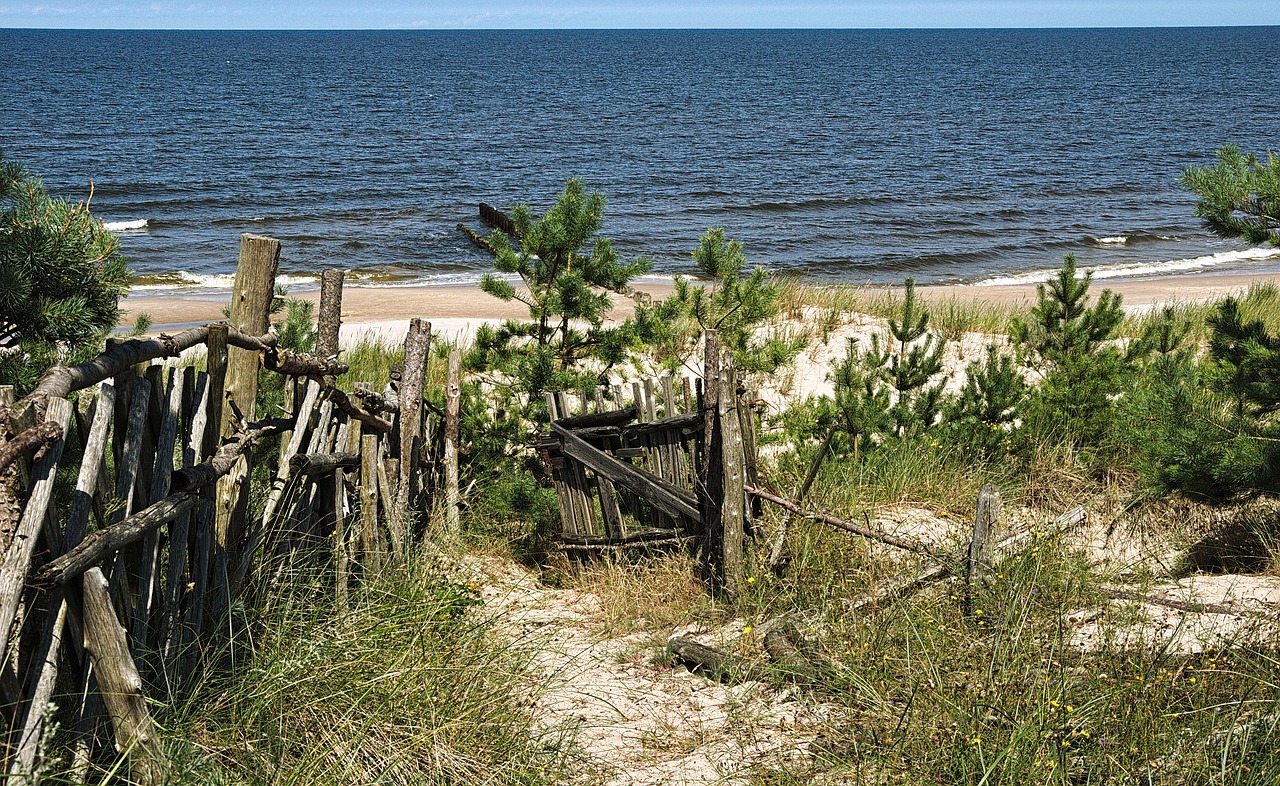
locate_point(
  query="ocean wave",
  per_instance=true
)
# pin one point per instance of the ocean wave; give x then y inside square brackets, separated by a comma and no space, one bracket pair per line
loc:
[1148,269]
[185,281]
[1131,239]
[125,226]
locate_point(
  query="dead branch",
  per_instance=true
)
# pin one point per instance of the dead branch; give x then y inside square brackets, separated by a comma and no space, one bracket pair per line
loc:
[28,440]
[224,459]
[849,526]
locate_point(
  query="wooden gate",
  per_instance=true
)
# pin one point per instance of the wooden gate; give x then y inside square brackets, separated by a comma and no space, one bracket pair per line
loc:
[655,464]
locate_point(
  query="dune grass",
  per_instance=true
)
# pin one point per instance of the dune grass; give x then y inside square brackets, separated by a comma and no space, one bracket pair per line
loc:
[406,687]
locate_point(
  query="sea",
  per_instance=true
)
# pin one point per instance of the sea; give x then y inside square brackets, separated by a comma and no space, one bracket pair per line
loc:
[856,156]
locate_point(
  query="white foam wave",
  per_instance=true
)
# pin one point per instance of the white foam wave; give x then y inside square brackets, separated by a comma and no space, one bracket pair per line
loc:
[124,226]
[183,281]
[1114,240]
[1148,269]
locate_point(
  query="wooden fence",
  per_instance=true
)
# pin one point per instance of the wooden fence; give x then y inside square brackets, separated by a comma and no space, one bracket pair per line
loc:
[654,463]
[129,609]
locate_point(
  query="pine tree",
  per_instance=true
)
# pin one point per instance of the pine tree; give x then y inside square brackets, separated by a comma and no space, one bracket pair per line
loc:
[567,272]
[1070,343]
[990,402]
[61,278]
[917,359]
[886,391]
[1239,196]
[730,302]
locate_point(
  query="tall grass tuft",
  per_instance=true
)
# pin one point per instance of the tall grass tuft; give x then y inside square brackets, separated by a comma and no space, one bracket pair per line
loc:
[405,688]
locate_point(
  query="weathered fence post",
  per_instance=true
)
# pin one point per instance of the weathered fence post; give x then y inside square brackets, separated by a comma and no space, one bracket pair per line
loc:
[452,412]
[985,521]
[733,497]
[417,349]
[723,500]
[251,295]
[369,503]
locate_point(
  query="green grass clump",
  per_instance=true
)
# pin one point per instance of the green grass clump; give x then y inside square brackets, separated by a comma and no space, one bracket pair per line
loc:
[405,688]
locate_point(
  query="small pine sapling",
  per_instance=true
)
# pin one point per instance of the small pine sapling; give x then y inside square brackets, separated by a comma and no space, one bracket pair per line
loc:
[732,303]
[1070,344]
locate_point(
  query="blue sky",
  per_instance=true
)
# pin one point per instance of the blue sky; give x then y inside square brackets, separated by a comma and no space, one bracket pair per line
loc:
[331,14]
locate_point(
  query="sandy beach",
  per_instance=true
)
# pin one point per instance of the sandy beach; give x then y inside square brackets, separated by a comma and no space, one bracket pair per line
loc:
[457,311]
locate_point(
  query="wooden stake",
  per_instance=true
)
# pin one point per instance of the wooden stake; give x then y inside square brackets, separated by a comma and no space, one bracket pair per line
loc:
[985,521]
[369,502]
[417,350]
[453,394]
[251,297]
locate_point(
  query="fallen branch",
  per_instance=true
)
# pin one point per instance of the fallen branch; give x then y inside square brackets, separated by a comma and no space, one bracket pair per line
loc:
[1181,605]
[28,440]
[849,526]
[905,584]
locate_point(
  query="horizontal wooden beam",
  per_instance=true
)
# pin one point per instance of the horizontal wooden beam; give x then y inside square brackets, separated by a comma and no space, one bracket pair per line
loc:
[670,499]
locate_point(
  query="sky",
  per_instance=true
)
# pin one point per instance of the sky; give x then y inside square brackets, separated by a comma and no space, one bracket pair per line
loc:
[555,14]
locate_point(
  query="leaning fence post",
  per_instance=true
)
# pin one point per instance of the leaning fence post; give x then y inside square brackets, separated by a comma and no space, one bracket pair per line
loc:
[985,521]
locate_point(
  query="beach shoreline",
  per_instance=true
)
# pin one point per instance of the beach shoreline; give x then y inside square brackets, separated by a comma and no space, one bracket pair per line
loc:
[460,309]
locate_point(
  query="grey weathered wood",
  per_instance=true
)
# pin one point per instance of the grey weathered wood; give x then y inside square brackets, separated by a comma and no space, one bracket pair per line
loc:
[197,596]
[216,368]
[733,503]
[710,480]
[341,547]
[907,583]
[559,482]
[217,466]
[985,521]
[297,437]
[670,499]
[452,416]
[16,560]
[576,483]
[26,761]
[369,502]
[95,447]
[121,686]
[101,543]
[127,468]
[162,473]
[417,351]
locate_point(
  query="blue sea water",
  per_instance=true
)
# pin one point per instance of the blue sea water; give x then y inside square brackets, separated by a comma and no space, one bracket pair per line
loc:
[841,155]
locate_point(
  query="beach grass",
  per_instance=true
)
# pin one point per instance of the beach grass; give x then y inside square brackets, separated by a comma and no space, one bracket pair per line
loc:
[408,686]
